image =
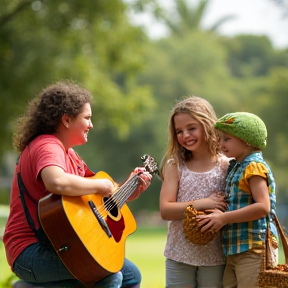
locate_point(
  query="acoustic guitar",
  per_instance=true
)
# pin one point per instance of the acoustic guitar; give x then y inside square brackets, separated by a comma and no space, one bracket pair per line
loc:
[89,232]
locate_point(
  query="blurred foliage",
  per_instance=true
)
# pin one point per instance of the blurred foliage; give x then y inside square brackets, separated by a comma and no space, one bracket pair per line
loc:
[252,56]
[189,17]
[136,80]
[91,42]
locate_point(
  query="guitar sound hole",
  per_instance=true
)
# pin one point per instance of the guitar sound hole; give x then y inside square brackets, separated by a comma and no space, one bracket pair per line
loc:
[111,206]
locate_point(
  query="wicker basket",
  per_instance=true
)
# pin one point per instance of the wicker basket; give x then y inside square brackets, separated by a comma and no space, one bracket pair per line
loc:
[190,227]
[269,276]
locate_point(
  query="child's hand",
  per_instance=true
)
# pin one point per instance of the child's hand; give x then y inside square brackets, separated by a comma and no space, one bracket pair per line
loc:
[215,201]
[218,200]
[212,222]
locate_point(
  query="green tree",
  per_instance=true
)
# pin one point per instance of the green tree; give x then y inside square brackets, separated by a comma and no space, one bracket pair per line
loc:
[195,65]
[275,114]
[91,42]
[189,18]
[252,55]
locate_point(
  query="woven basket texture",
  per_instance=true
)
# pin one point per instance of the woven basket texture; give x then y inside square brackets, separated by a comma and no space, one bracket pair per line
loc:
[277,276]
[191,229]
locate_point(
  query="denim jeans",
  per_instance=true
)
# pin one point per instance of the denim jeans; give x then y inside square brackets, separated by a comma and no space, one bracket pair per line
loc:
[41,265]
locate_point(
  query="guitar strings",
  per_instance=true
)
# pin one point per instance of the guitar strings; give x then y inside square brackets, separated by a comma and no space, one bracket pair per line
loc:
[112,202]
[128,190]
[120,196]
[115,200]
[124,192]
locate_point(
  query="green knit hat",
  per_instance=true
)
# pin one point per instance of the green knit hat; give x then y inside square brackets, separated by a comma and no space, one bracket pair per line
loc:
[246,126]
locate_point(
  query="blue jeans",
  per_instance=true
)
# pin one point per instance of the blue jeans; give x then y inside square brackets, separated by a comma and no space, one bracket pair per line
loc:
[41,265]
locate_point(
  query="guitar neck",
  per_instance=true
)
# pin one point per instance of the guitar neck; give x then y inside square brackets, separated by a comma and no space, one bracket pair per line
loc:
[126,190]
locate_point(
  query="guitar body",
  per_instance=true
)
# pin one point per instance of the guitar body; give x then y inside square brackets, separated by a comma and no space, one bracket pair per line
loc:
[88,251]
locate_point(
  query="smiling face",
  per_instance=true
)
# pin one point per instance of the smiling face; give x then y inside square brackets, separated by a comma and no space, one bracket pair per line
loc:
[79,126]
[190,132]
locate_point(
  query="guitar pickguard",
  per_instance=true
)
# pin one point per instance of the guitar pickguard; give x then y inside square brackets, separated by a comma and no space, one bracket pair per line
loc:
[114,224]
[116,227]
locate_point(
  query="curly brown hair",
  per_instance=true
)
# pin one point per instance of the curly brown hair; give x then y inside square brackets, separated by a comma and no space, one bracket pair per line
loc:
[44,112]
[201,110]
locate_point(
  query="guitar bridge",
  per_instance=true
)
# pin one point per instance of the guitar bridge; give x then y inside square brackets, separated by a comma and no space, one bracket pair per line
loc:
[100,219]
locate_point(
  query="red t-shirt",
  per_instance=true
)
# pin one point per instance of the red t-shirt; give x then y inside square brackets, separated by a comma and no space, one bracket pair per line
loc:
[43,151]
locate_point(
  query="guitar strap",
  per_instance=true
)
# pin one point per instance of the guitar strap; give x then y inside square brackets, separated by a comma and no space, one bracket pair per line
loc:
[40,234]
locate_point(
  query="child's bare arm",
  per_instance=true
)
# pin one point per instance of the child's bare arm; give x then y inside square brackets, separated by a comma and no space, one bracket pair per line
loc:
[170,209]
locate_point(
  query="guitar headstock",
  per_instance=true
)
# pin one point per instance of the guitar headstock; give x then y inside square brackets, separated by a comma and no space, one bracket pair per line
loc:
[150,164]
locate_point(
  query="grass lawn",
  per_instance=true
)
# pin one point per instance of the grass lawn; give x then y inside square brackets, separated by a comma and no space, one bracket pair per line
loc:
[145,248]
[4,268]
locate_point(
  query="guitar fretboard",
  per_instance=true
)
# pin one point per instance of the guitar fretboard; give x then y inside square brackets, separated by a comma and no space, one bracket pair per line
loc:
[126,190]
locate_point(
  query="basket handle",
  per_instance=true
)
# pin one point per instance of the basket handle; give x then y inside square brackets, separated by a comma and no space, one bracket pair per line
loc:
[282,236]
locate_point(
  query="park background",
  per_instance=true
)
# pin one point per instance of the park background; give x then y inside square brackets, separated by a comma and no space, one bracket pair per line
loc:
[138,57]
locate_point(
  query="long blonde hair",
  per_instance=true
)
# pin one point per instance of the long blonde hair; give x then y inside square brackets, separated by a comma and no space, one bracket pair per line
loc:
[201,110]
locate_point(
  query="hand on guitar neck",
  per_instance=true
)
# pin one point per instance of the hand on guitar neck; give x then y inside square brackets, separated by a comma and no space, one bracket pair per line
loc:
[145,175]
[144,181]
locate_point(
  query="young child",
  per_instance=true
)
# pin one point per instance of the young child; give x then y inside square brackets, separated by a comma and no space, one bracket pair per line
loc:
[192,170]
[250,190]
